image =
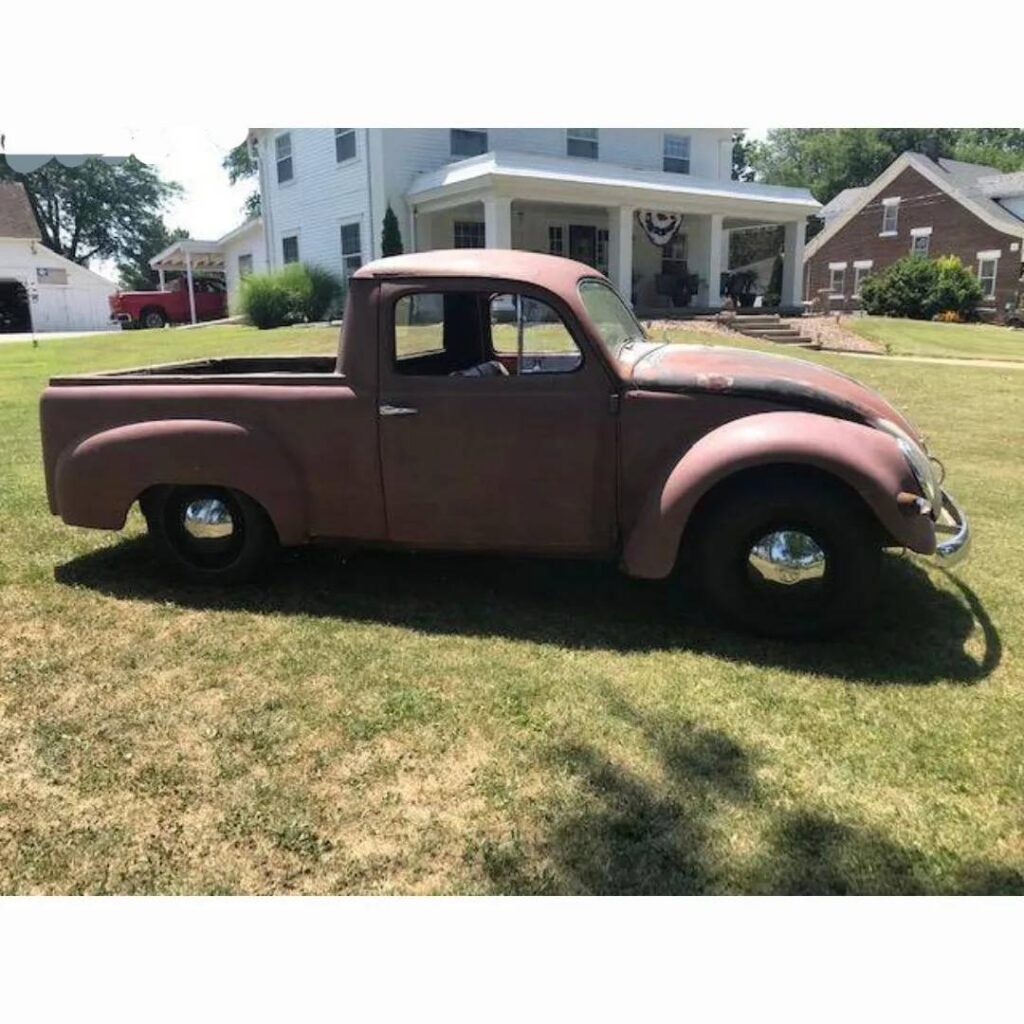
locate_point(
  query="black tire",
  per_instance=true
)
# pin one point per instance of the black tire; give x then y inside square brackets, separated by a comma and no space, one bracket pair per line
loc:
[152,318]
[840,546]
[235,557]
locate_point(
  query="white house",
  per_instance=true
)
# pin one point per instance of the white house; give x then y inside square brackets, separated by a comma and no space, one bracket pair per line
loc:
[40,290]
[650,207]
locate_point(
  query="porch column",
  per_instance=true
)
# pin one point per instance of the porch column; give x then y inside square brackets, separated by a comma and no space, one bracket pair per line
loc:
[498,222]
[793,263]
[709,262]
[191,287]
[421,241]
[163,284]
[620,249]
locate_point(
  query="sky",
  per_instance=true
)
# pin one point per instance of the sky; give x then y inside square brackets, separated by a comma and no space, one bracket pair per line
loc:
[208,208]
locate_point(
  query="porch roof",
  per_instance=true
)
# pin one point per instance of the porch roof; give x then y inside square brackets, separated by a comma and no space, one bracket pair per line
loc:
[544,178]
[200,254]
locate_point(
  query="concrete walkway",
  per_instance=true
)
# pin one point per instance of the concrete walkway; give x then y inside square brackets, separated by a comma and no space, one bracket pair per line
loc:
[6,339]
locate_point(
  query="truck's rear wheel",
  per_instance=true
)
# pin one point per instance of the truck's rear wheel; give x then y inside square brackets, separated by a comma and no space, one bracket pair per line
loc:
[789,557]
[153,318]
[209,534]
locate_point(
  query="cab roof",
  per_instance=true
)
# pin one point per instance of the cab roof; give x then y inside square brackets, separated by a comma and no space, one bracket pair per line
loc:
[552,272]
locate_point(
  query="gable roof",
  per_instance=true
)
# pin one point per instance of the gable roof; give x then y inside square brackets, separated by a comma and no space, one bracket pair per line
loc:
[1002,186]
[957,179]
[16,217]
[843,201]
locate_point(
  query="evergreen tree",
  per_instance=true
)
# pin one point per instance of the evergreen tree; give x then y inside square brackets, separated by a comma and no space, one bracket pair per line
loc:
[391,235]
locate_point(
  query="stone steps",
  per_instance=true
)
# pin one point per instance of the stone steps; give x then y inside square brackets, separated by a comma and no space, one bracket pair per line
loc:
[769,328]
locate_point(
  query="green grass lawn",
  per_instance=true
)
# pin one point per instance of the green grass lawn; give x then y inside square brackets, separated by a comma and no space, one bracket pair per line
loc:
[400,723]
[923,338]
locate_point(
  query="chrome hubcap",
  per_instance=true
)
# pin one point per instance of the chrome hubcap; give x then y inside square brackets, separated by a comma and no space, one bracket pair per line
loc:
[785,558]
[208,519]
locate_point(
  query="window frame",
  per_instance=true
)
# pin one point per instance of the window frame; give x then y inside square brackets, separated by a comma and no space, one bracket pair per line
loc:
[890,205]
[840,292]
[671,137]
[476,225]
[242,274]
[298,254]
[288,158]
[989,256]
[357,223]
[862,270]
[395,291]
[583,138]
[463,133]
[556,231]
[339,135]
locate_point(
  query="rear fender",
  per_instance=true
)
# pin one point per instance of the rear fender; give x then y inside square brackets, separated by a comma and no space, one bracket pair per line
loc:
[866,459]
[99,477]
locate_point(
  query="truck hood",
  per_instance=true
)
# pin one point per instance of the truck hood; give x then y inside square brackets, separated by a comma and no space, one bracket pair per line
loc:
[794,383]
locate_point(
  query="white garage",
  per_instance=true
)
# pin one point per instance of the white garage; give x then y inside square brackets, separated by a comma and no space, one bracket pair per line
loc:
[40,290]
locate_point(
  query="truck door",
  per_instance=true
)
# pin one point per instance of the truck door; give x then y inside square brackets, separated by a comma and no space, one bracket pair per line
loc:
[497,425]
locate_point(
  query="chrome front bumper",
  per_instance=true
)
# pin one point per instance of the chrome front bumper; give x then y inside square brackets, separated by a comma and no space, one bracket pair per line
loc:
[953,541]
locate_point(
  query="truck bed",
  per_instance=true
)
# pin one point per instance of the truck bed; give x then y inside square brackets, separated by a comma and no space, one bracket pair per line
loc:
[228,370]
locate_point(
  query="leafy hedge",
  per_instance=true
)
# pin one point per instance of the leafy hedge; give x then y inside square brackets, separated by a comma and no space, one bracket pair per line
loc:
[922,289]
[293,294]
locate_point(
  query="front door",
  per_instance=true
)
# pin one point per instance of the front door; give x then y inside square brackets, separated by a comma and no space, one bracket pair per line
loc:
[496,424]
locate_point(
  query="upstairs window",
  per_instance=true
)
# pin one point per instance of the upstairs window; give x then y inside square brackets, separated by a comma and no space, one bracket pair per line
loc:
[581,142]
[290,249]
[344,144]
[468,141]
[468,234]
[351,248]
[676,154]
[283,155]
[890,215]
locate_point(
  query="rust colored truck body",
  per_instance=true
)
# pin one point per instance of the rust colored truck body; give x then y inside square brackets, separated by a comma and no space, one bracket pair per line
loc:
[440,425]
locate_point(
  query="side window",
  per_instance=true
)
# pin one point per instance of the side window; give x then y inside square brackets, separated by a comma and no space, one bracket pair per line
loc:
[480,334]
[419,327]
[528,334]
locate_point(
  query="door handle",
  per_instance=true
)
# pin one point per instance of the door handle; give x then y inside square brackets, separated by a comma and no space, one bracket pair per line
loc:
[397,410]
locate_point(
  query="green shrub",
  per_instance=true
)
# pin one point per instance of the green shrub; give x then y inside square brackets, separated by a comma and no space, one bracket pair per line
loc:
[956,289]
[293,294]
[265,300]
[325,292]
[921,289]
[391,235]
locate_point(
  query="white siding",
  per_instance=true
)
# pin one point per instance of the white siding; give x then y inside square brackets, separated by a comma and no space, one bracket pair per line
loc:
[251,243]
[80,305]
[321,196]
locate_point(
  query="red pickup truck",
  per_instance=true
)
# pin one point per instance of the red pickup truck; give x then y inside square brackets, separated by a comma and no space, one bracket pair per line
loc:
[559,429]
[170,306]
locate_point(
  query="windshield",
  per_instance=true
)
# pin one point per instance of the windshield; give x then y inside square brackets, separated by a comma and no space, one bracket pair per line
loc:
[613,319]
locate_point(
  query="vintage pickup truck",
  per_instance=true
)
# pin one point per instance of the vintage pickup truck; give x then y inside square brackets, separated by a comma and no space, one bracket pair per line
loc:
[504,401]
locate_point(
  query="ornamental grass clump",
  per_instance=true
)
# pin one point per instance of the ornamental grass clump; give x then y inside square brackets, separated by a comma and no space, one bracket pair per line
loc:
[296,293]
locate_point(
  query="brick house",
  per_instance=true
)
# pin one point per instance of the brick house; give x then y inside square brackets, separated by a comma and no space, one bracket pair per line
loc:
[925,206]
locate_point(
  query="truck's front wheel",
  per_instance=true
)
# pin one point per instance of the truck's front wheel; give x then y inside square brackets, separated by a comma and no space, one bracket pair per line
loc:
[789,557]
[153,318]
[209,534]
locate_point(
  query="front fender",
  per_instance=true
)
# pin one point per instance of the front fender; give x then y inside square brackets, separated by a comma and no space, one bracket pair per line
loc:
[866,459]
[98,477]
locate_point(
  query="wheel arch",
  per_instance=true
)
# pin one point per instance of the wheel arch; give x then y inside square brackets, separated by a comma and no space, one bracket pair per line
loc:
[866,463]
[98,479]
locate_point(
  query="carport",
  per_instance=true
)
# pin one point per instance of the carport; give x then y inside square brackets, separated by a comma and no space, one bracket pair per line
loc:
[186,256]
